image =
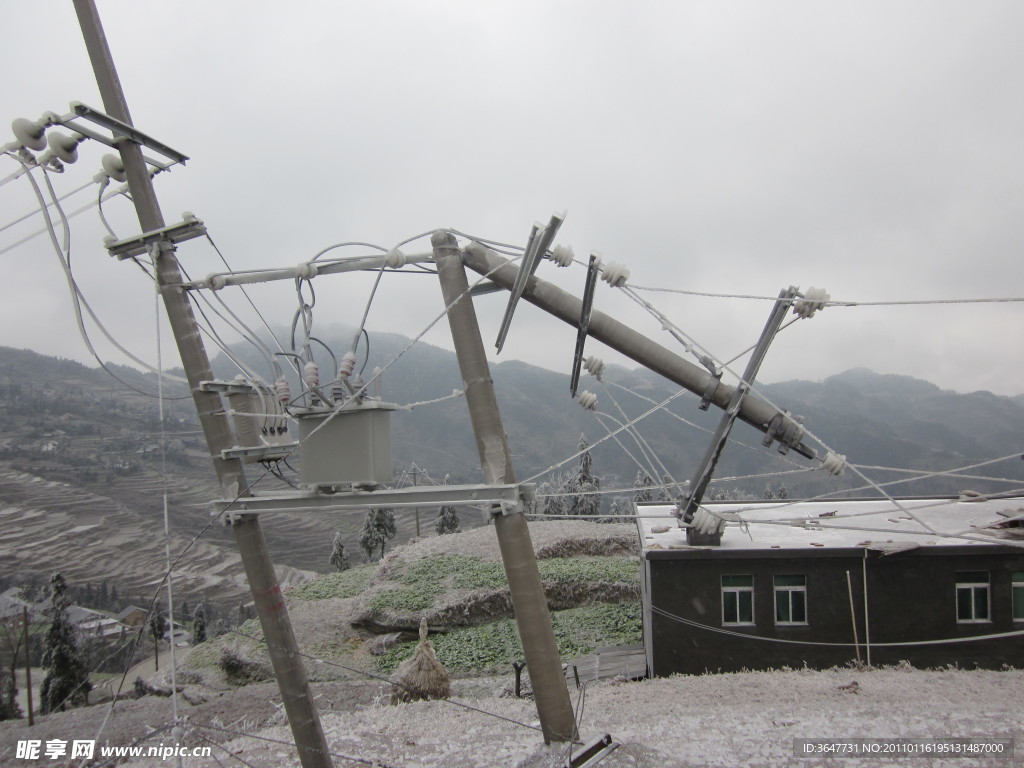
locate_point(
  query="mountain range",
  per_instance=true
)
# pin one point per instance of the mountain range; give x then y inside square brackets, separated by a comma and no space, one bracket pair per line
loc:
[74,438]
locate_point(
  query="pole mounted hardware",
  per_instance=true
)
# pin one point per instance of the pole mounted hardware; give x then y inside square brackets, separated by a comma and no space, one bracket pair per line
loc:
[187,229]
[540,241]
[704,528]
[120,129]
[587,308]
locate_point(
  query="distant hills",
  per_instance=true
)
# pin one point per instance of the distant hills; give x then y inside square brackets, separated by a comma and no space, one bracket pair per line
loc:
[91,438]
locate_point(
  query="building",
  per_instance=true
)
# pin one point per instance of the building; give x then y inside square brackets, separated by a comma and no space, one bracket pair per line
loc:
[827,583]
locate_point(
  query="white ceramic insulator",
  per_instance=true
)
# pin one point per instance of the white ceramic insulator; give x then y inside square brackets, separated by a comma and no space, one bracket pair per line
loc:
[594,366]
[348,364]
[394,259]
[311,375]
[113,167]
[306,270]
[189,216]
[705,522]
[29,134]
[813,300]
[615,274]
[588,400]
[562,255]
[284,390]
[834,463]
[64,147]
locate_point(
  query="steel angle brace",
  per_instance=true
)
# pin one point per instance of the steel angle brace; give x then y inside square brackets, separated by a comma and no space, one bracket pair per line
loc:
[119,129]
[706,469]
[538,244]
[586,310]
[175,233]
[592,752]
[509,498]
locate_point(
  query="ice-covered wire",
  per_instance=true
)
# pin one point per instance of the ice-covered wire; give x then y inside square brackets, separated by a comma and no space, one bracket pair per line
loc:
[247,298]
[837,302]
[164,496]
[385,678]
[351,758]
[34,211]
[645,447]
[78,299]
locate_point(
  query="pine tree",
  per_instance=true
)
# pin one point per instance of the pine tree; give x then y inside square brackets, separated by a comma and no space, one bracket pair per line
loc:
[338,557]
[67,679]
[447,521]
[199,625]
[370,535]
[386,526]
[158,625]
[9,709]
[642,487]
[583,487]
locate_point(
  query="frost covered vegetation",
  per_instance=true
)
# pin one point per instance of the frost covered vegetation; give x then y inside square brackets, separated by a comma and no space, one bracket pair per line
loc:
[457,582]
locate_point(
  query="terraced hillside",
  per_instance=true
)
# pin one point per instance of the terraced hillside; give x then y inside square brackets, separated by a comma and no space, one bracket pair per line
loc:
[366,618]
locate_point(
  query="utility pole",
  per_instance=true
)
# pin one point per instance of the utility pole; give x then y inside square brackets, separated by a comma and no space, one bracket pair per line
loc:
[415,471]
[638,347]
[277,629]
[28,662]
[532,617]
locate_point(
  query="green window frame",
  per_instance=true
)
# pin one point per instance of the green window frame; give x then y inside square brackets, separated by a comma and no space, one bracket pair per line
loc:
[738,600]
[973,597]
[790,599]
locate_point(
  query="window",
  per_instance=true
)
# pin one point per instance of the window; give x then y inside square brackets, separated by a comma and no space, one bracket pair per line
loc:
[737,599]
[791,599]
[972,593]
[1017,588]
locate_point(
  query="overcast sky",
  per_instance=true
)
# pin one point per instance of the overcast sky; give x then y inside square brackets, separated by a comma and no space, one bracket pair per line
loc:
[871,148]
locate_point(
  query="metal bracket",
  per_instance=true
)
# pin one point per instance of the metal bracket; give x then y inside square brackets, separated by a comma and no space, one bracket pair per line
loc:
[510,497]
[119,128]
[175,233]
[538,244]
[258,452]
[710,389]
[592,752]
[786,429]
[586,310]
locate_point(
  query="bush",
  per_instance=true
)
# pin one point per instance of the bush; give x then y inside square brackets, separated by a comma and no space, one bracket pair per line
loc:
[241,671]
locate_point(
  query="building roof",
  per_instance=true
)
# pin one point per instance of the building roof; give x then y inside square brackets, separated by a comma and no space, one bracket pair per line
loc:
[873,524]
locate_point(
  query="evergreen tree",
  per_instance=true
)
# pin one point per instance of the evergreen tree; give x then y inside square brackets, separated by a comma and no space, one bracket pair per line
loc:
[642,487]
[370,535]
[782,493]
[67,679]
[9,709]
[768,493]
[619,512]
[183,611]
[583,487]
[338,557]
[447,521]
[158,625]
[551,496]
[115,600]
[199,625]
[386,526]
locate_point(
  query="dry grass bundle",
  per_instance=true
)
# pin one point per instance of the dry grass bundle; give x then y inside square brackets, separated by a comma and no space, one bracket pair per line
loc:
[422,676]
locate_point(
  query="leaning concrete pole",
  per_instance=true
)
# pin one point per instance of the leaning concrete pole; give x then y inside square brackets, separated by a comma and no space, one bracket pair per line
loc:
[277,629]
[532,617]
[636,346]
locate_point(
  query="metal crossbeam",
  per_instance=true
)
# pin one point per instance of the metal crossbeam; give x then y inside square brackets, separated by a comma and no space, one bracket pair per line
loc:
[509,496]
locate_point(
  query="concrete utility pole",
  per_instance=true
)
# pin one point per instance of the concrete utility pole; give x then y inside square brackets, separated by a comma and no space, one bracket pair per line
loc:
[636,346]
[531,608]
[281,644]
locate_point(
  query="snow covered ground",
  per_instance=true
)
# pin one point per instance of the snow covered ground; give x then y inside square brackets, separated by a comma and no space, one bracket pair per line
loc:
[747,719]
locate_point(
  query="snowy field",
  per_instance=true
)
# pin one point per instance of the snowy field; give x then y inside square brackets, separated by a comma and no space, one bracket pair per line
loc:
[748,719]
